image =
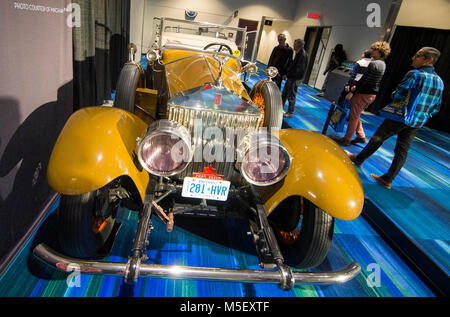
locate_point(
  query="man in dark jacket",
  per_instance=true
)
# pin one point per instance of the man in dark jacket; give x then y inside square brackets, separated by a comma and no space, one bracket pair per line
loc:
[280,57]
[294,76]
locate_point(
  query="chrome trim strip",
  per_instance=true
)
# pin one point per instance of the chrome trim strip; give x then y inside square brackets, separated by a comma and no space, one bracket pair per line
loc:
[67,264]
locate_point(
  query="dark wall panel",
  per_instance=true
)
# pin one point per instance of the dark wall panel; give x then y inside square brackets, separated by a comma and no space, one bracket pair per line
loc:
[404,44]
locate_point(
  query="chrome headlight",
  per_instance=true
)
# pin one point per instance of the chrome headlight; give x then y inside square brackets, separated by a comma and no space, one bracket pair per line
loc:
[262,159]
[271,72]
[251,68]
[152,55]
[166,148]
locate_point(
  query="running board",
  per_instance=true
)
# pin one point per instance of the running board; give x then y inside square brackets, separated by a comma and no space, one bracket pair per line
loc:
[279,276]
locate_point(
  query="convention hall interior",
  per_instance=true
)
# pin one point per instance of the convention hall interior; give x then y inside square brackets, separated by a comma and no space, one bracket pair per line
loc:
[91,206]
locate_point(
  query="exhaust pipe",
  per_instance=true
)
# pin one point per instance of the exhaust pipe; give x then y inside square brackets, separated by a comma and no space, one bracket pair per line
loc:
[68,264]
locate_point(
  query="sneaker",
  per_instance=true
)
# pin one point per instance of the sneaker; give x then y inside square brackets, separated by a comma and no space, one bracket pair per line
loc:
[288,115]
[381,181]
[353,158]
[342,141]
[320,94]
[359,140]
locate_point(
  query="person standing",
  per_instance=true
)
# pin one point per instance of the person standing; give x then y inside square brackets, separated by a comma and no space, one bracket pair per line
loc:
[294,76]
[364,93]
[358,71]
[338,56]
[420,92]
[280,58]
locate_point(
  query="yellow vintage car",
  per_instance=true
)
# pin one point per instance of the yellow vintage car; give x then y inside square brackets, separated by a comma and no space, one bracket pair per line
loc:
[185,136]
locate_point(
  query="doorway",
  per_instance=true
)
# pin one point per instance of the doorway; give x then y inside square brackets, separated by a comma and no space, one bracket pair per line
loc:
[316,41]
[252,29]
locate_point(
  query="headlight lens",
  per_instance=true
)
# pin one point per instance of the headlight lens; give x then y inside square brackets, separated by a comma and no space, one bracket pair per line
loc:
[166,149]
[263,159]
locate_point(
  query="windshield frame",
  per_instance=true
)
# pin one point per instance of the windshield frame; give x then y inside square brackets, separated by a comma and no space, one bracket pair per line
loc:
[241,46]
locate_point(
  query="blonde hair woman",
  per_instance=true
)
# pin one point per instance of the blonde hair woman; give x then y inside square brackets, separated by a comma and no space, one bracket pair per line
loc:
[365,92]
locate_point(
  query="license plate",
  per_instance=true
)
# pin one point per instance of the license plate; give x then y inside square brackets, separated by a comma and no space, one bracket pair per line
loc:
[204,188]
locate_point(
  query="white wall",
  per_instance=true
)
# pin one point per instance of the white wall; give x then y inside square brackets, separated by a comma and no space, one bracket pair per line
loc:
[429,13]
[269,38]
[136,19]
[215,11]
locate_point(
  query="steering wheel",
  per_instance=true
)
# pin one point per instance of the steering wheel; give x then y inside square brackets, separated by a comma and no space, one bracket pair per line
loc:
[221,45]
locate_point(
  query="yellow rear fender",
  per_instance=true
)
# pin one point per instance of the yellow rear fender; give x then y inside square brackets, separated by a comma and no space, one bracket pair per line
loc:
[96,146]
[320,172]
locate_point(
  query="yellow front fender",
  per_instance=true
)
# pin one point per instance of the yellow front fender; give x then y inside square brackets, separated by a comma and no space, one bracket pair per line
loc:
[96,146]
[321,172]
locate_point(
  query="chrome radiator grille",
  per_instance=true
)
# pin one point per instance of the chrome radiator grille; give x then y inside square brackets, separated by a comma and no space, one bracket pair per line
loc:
[223,120]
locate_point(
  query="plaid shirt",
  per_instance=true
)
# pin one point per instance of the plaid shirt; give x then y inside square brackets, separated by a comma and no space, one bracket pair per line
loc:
[428,88]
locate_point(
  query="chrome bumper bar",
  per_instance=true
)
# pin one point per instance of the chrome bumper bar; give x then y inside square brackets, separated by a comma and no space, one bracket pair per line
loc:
[198,273]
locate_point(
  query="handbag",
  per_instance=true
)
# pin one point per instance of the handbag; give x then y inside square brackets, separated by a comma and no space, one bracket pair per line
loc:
[340,115]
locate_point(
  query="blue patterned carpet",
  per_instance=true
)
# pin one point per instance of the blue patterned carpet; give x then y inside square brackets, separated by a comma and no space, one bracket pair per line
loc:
[217,243]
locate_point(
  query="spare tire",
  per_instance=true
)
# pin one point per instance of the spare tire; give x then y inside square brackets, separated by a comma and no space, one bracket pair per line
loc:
[126,86]
[266,95]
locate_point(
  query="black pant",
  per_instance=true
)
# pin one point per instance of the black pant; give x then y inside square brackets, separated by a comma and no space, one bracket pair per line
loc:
[290,93]
[405,135]
[277,79]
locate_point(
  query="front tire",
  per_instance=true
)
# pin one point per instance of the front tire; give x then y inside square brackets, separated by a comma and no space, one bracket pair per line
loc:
[304,232]
[82,232]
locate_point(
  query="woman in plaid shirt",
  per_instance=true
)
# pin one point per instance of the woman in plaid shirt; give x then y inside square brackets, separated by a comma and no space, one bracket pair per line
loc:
[421,89]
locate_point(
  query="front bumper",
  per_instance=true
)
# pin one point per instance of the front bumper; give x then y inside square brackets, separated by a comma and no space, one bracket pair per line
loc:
[267,249]
[197,273]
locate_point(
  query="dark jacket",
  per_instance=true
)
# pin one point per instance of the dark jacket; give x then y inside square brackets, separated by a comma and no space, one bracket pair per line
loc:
[371,80]
[281,63]
[297,67]
[339,56]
